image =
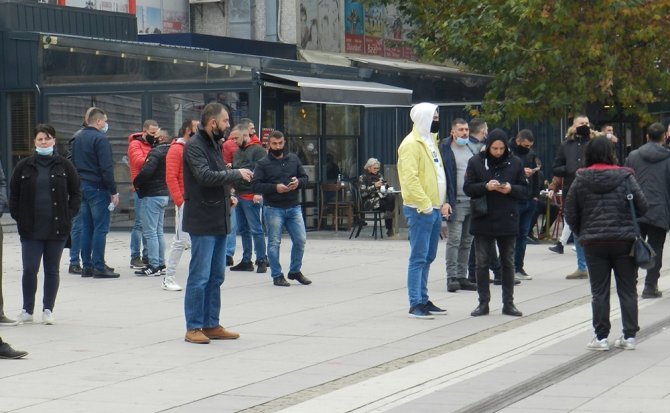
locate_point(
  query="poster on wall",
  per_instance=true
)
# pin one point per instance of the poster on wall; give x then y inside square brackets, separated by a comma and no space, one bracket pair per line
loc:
[149,17]
[175,16]
[374,30]
[353,27]
[393,33]
[320,25]
[119,6]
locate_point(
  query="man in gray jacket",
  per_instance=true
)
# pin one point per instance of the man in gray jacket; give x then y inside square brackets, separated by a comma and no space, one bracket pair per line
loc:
[651,163]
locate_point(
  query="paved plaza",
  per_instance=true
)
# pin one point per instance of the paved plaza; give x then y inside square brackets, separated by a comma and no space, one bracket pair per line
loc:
[342,344]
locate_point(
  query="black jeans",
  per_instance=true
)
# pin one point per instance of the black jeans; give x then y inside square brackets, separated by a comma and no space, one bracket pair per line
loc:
[494,265]
[485,252]
[601,260]
[655,236]
[49,252]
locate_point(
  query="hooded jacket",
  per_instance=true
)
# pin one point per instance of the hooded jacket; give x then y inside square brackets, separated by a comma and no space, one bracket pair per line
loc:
[150,180]
[138,149]
[651,163]
[596,207]
[247,157]
[416,162]
[503,215]
[529,160]
[174,171]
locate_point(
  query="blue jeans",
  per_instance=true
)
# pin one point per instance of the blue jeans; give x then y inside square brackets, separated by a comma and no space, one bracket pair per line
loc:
[94,217]
[291,218]
[424,234]
[75,240]
[231,239]
[526,210]
[250,226]
[153,213]
[202,299]
[137,240]
[581,258]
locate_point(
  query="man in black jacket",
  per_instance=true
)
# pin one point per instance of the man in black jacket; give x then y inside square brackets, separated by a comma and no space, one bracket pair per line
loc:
[651,163]
[207,220]
[277,177]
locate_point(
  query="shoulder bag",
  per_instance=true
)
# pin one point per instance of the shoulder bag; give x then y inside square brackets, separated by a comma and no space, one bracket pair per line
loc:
[642,252]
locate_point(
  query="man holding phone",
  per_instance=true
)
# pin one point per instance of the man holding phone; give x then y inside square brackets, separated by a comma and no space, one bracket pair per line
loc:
[277,177]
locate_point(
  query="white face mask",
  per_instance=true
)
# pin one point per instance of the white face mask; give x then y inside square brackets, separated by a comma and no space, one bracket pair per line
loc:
[44,151]
[105,128]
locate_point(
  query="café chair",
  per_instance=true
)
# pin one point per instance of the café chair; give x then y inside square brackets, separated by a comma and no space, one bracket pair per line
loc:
[332,202]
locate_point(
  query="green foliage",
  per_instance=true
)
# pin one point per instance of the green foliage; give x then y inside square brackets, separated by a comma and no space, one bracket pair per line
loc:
[547,57]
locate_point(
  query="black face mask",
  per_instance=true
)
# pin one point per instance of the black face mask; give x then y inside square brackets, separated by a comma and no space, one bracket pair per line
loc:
[277,152]
[435,126]
[190,135]
[522,150]
[584,131]
[151,139]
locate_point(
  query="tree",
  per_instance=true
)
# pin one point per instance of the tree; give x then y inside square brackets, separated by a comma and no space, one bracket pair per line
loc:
[549,57]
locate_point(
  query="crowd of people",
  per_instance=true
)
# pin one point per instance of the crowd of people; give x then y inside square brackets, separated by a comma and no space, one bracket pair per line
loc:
[480,189]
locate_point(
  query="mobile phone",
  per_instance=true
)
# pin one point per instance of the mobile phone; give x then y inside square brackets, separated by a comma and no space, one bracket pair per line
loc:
[502,183]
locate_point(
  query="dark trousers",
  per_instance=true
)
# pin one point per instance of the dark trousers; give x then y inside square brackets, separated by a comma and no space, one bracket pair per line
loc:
[485,251]
[655,236]
[526,209]
[494,265]
[49,252]
[601,260]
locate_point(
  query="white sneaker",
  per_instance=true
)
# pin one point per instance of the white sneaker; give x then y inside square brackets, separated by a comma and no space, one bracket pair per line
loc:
[169,284]
[598,345]
[48,317]
[625,343]
[522,276]
[24,317]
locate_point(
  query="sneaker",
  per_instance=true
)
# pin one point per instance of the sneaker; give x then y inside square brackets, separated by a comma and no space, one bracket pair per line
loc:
[136,263]
[418,311]
[145,261]
[6,321]
[522,275]
[74,269]
[162,269]
[598,345]
[453,285]
[532,240]
[103,273]
[243,266]
[625,343]
[7,352]
[467,285]
[297,276]
[229,260]
[577,275]
[87,272]
[48,317]
[498,281]
[261,266]
[280,281]
[196,336]
[433,309]
[220,333]
[651,292]
[149,271]
[24,317]
[169,284]
[558,248]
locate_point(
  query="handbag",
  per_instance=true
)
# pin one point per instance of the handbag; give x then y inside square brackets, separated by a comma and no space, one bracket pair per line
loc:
[479,207]
[642,252]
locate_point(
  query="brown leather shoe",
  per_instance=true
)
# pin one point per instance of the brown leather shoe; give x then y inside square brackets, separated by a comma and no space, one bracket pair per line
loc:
[577,275]
[196,336]
[220,333]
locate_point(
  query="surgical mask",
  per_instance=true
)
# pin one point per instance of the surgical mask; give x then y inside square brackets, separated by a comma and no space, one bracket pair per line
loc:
[105,128]
[435,126]
[462,141]
[583,131]
[44,151]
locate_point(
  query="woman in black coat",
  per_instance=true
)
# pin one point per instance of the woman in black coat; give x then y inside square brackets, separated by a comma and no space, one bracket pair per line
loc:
[598,211]
[496,176]
[44,197]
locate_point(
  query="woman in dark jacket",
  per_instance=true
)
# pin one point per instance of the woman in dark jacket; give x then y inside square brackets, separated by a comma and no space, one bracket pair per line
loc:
[44,198]
[373,193]
[498,176]
[597,210]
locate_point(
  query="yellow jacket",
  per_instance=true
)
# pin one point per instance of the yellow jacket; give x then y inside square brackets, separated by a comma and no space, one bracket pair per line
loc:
[416,172]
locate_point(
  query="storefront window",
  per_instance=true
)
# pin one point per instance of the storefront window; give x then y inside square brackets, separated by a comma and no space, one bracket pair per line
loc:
[343,120]
[21,124]
[341,159]
[301,119]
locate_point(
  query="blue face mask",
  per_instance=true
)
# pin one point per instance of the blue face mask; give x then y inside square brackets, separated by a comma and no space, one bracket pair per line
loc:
[105,128]
[44,151]
[462,141]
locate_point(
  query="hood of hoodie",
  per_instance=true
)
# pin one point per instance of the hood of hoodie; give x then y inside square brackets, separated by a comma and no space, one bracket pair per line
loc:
[603,178]
[422,116]
[652,152]
[253,140]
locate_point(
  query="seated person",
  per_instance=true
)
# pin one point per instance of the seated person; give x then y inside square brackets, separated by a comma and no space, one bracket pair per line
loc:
[374,194]
[552,189]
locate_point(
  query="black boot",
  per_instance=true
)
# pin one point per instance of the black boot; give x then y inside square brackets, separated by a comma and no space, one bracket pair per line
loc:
[453,285]
[482,309]
[389,227]
[510,309]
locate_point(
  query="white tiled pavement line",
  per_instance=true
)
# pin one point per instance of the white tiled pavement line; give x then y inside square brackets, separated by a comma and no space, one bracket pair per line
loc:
[390,390]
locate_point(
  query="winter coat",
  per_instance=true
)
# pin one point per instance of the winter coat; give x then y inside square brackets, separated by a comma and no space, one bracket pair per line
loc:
[65,196]
[247,158]
[596,207]
[150,180]
[503,216]
[568,159]
[370,194]
[651,163]
[92,157]
[138,149]
[529,160]
[206,180]
[174,171]
[271,171]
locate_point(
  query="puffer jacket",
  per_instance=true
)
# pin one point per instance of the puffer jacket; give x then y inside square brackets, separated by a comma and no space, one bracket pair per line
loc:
[651,163]
[150,180]
[596,207]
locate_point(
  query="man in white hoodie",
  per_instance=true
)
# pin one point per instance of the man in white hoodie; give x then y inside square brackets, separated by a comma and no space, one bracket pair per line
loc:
[424,191]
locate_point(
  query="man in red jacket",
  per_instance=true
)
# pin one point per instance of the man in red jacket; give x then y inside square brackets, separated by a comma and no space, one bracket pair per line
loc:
[138,148]
[174,178]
